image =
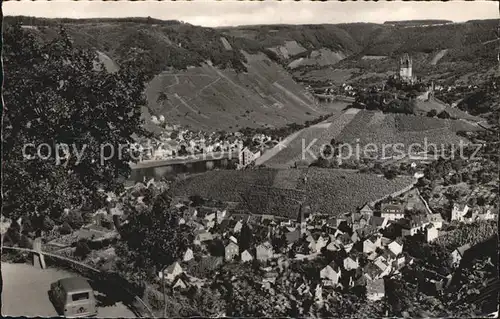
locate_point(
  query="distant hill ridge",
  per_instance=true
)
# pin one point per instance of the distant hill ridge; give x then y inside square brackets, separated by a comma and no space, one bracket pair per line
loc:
[417,22]
[247,92]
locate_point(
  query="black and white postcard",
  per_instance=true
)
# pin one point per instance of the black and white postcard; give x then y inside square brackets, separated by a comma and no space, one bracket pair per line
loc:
[279,159]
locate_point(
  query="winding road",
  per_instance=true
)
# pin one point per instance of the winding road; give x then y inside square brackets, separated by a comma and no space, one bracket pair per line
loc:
[25,293]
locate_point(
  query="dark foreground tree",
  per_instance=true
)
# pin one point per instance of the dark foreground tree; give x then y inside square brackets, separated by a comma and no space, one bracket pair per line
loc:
[54,94]
[154,237]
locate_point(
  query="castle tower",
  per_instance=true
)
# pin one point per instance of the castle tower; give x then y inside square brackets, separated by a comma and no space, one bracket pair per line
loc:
[405,68]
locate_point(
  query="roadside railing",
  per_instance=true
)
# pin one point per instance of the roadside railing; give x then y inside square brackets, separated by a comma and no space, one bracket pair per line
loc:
[102,279]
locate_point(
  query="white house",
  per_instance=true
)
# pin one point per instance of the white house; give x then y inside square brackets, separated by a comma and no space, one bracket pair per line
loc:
[237,227]
[317,245]
[246,256]
[221,215]
[188,255]
[431,233]
[231,251]
[203,237]
[395,247]
[459,211]
[246,156]
[487,214]
[171,272]
[457,254]
[179,284]
[330,275]
[332,246]
[366,210]
[264,251]
[392,211]
[350,263]
[371,244]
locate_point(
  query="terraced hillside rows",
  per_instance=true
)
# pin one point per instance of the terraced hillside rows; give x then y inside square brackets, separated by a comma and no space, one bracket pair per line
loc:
[224,185]
[389,130]
[315,136]
[210,98]
[281,192]
[334,192]
[357,128]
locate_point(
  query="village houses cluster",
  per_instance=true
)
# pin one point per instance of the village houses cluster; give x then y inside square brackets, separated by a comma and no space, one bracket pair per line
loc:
[184,142]
[361,249]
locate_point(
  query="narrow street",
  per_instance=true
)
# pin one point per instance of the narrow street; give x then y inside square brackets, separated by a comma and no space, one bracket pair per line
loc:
[25,293]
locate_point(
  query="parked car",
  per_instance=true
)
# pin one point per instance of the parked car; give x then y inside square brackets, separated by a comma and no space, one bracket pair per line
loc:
[73,297]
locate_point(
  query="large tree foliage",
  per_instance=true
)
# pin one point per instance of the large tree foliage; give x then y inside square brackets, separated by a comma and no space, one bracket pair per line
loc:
[154,237]
[57,93]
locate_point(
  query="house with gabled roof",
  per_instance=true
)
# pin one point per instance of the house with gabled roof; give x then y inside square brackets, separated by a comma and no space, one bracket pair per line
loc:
[344,239]
[264,251]
[366,210]
[414,225]
[231,251]
[457,254]
[379,262]
[188,255]
[369,246]
[172,271]
[392,211]
[366,231]
[459,211]
[378,222]
[318,244]
[355,237]
[351,263]
[330,275]
[203,236]
[181,282]
[431,233]
[246,256]
[237,227]
[396,247]
[332,246]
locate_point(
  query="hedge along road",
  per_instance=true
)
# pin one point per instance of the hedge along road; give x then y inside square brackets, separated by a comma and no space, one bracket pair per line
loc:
[25,293]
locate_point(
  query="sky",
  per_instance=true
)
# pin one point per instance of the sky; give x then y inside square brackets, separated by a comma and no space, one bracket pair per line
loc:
[213,13]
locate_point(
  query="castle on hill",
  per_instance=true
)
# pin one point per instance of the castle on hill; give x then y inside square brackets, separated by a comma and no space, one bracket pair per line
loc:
[406,69]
